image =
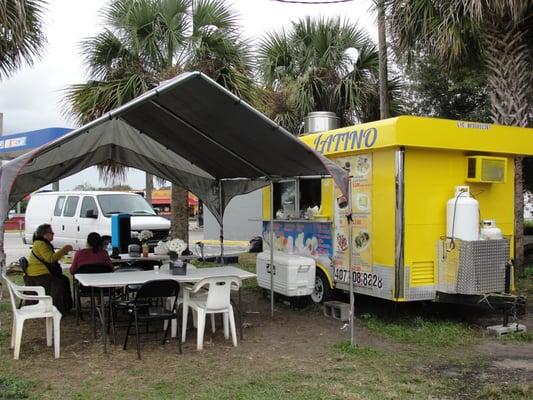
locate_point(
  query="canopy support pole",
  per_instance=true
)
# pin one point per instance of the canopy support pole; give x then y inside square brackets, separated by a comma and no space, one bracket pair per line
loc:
[2,256]
[272,269]
[220,197]
[350,262]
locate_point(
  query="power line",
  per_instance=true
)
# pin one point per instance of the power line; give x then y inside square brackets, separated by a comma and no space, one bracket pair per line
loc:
[313,1]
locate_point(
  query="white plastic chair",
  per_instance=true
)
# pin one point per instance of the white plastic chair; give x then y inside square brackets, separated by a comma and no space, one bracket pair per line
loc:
[43,309]
[217,301]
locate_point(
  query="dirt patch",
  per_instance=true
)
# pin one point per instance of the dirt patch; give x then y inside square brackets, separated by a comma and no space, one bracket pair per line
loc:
[301,340]
[514,364]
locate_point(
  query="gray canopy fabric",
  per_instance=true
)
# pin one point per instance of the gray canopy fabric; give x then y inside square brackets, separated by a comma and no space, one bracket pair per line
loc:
[190,131]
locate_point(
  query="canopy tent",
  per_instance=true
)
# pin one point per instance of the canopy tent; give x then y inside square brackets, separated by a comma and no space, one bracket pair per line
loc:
[190,131]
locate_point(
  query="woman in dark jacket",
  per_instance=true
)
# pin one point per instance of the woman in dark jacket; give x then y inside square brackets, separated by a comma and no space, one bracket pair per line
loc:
[44,269]
[93,254]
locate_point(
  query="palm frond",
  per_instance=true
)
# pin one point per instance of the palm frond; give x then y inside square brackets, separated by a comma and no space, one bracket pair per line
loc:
[88,101]
[22,36]
[111,172]
[314,61]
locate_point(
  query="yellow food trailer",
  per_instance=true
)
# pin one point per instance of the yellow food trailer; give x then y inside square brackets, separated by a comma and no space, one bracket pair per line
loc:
[408,175]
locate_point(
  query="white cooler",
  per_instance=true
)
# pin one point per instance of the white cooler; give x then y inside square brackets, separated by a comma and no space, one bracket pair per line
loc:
[293,275]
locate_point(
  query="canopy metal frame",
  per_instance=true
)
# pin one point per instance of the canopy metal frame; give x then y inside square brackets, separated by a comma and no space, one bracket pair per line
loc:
[190,131]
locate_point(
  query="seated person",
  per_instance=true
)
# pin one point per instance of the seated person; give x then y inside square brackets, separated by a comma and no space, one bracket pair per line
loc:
[93,254]
[44,269]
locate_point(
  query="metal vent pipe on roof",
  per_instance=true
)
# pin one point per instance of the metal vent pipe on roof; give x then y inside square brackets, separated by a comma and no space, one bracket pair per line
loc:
[320,121]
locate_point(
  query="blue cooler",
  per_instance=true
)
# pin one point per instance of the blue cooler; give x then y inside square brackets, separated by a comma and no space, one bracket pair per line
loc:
[121,231]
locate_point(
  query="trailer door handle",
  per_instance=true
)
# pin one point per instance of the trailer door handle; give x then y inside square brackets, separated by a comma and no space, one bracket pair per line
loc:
[62,227]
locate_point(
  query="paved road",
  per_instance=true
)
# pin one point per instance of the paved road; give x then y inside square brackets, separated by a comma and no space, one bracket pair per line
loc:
[15,249]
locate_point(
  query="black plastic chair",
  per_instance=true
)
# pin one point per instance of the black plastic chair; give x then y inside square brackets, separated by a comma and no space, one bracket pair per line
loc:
[83,291]
[141,310]
[121,298]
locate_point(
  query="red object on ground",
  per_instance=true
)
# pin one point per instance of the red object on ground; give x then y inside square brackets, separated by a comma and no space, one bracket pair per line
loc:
[14,223]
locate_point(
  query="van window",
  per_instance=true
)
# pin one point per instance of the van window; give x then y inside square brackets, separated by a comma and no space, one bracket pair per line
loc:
[70,206]
[59,206]
[124,203]
[87,204]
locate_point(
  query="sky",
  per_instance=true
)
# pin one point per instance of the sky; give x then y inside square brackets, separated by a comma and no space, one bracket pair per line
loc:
[31,98]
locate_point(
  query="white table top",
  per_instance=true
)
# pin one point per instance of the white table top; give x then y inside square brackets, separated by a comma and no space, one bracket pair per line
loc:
[140,277]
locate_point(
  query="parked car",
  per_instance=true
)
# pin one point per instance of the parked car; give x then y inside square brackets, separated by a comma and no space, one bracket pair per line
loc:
[73,215]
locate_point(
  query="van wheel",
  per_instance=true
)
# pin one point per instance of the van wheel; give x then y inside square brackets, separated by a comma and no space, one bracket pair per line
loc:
[321,292]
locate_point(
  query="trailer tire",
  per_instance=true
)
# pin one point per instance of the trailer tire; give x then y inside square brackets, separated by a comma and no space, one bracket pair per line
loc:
[321,292]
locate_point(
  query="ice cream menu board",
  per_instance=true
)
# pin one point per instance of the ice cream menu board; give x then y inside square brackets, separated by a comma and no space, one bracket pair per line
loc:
[310,239]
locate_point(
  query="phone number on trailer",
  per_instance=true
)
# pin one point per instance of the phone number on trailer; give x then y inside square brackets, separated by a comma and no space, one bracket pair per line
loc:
[364,279]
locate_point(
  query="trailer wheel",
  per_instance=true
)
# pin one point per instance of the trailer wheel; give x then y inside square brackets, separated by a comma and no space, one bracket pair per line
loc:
[322,291]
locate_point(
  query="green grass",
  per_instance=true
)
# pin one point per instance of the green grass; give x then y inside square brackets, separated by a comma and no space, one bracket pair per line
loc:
[15,388]
[506,392]
[520,337]
[422,332]
[345,348]
[524,281]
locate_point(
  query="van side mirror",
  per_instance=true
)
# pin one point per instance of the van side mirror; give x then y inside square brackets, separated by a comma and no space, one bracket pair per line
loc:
[91,214]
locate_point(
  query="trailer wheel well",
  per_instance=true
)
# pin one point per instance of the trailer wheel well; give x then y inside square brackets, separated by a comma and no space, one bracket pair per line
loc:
[326,272]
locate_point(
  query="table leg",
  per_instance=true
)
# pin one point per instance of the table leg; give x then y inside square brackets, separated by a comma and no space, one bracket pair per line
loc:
[93,306]
[102,317]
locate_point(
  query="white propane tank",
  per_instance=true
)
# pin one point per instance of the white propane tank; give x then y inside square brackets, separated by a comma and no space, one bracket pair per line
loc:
[489,230]
[462,215]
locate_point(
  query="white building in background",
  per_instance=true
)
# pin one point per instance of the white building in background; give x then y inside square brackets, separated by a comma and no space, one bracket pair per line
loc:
[242,218]
[528,205]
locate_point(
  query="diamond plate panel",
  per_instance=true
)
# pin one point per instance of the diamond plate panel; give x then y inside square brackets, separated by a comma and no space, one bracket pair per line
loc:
[473,267]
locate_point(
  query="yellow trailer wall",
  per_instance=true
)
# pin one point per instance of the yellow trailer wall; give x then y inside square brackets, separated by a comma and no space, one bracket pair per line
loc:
[383,208]
[430,179]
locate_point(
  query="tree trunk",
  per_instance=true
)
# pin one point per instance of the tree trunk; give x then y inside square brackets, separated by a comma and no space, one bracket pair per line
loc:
[179,224]
[382,38]
[509,81]
[149,187]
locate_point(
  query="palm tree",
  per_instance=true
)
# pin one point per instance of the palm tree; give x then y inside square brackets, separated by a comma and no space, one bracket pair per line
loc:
[148,41]
[21,33]
[318,65]
[495,33]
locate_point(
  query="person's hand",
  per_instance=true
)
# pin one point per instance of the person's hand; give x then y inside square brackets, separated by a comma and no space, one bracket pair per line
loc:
[67,248]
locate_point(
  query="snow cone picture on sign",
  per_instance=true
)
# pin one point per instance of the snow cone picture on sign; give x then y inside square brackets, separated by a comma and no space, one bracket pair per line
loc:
[362,166]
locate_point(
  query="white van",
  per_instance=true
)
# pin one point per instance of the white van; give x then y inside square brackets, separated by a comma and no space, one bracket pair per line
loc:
[73,215]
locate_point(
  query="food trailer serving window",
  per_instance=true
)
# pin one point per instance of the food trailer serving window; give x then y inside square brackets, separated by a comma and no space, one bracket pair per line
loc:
[293,198]
[310,194]
[285,199]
